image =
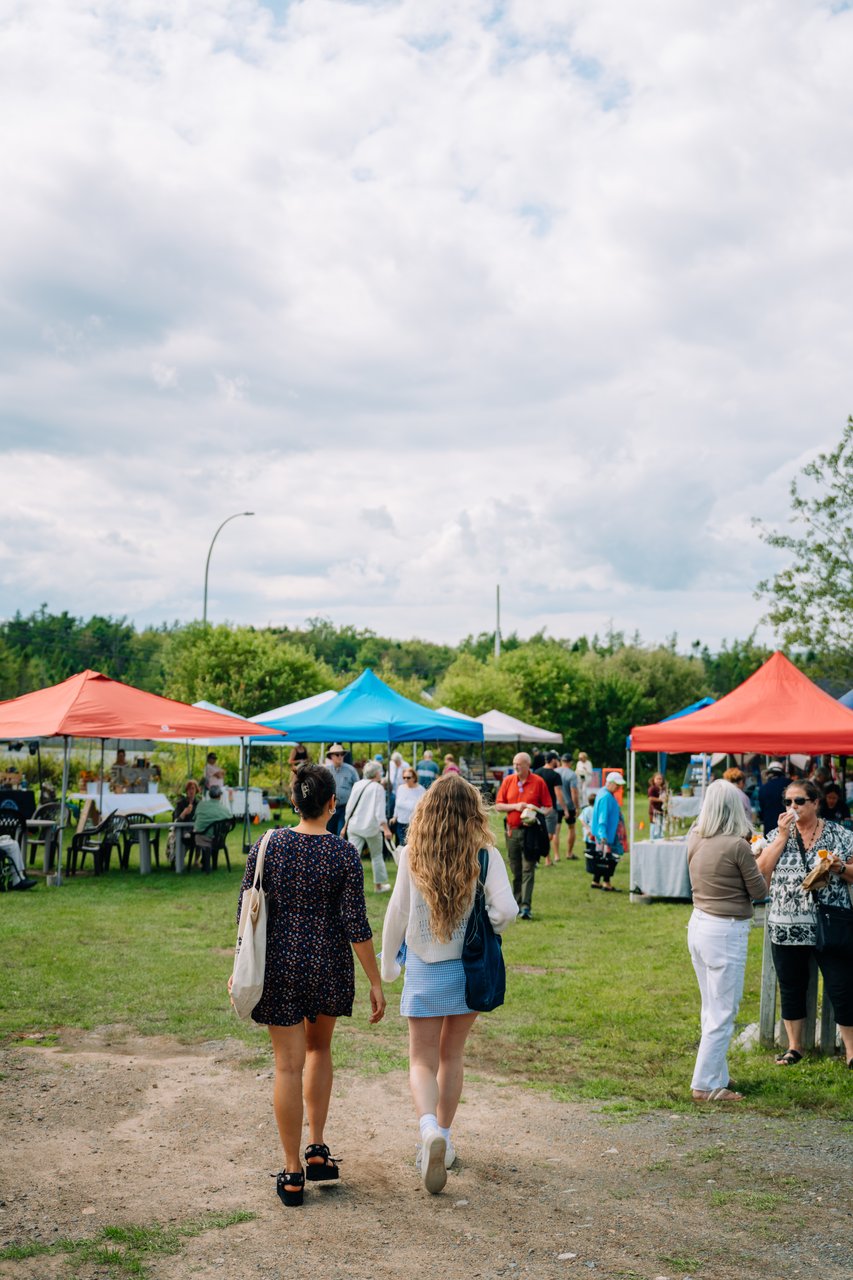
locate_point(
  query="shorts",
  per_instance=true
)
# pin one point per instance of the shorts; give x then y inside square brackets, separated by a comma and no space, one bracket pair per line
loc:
[571,816]
[551,821]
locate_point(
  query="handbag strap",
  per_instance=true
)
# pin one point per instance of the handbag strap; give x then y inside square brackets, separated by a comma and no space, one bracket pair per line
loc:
[359,800]
[259,864]
[483,859]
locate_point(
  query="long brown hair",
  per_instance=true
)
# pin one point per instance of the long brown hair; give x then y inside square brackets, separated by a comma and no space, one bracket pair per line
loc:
[448,828]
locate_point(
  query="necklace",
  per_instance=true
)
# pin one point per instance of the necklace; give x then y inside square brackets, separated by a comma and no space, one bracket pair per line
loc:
[809,841]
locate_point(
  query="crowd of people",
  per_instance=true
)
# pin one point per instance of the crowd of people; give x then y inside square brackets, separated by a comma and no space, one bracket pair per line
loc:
[445,855]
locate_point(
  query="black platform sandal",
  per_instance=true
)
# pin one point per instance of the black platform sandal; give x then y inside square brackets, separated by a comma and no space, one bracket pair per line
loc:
[325,1172]
[290,1187]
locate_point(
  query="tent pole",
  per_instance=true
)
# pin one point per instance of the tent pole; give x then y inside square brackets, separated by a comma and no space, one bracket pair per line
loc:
[632,778]
[101,784]
[248,751]
[62,812]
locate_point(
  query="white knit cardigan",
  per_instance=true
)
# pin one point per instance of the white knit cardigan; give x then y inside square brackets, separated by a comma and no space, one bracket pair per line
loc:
[407,916]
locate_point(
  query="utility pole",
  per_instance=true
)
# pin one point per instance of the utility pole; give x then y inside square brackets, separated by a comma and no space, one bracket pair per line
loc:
[498,624]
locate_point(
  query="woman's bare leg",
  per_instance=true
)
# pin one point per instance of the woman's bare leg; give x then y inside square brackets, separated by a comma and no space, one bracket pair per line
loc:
[289,1049]
[451,1067]
[317,1080]
[424,1060]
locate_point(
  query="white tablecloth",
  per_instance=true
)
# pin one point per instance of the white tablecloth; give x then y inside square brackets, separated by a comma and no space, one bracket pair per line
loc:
[235,798]
[659,868]
[128,803]
[685,806]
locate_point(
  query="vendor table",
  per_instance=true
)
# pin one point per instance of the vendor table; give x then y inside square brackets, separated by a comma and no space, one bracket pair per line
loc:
[235,798]
[127,802]
[685,806]
[659,869]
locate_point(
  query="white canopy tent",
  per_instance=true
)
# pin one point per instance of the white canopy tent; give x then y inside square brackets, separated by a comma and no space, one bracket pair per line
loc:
[499,727]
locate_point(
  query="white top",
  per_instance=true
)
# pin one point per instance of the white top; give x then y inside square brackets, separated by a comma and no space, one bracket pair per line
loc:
[407,800]
[370,817]
[395,774]
[407,916]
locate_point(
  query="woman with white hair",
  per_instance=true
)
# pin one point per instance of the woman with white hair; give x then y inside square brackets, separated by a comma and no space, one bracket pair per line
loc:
[365,822]
[726,881]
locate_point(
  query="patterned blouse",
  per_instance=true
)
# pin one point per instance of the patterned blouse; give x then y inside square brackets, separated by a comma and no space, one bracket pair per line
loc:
[791,916]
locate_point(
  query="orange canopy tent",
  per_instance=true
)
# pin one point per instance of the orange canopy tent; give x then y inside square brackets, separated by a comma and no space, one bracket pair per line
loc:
[90,705]
[776,711]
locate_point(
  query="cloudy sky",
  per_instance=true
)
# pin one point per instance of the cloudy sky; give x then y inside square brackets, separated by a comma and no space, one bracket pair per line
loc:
[551,293]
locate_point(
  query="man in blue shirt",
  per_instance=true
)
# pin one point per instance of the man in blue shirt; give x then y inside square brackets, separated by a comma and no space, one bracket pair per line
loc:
[345,777]
[427,770]
[606,821]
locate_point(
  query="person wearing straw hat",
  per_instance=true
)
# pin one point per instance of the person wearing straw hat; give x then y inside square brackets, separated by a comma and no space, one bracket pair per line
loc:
[345,778]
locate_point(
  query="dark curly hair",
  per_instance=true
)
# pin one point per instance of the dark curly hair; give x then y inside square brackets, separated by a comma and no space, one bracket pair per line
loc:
[312,789]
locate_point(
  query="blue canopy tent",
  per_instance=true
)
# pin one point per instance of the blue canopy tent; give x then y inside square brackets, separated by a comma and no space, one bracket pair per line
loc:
[369,711]
[847,699]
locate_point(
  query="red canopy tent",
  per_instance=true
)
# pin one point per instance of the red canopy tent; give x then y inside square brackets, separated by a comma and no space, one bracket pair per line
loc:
[776,711]
[90,705]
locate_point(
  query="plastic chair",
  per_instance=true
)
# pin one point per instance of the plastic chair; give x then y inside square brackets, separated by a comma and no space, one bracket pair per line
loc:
[41,836]
[99,841]
[209,853]
[131,837]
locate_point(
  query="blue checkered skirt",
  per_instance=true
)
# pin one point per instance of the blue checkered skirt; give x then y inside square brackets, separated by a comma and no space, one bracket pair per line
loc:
[433,990]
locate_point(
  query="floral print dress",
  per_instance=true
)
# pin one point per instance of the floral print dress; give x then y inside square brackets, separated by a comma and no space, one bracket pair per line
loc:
[792,914]
[315,910]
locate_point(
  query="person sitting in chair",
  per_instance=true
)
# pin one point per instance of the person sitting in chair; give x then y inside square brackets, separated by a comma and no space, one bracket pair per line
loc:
[209,811]
[12,850]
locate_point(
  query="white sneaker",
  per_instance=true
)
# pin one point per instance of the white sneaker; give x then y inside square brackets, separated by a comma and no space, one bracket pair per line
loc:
[433,1171]
[449,1156]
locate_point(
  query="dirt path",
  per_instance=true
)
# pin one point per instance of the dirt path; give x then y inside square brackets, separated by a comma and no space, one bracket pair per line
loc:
[101,1131]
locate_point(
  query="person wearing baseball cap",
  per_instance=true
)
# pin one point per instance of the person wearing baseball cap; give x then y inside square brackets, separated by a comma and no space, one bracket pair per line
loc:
[608,830]
[345,778]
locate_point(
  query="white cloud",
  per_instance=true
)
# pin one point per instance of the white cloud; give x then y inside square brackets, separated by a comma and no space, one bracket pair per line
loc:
[552,293]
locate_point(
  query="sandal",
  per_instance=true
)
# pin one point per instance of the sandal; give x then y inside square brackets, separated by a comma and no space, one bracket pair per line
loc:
[290,1187]
[716,1095]
[789,1059]
[324,1169]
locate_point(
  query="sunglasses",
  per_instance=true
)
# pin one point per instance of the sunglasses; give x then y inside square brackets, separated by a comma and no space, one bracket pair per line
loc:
[799,801]
[407,777]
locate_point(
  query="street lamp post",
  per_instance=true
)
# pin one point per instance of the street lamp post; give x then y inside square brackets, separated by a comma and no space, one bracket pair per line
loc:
[236,516]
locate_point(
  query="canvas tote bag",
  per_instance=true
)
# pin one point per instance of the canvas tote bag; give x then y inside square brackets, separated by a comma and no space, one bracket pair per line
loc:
[250,954]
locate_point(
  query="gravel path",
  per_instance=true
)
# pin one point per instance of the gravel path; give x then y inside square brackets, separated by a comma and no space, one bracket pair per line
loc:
[104,1129]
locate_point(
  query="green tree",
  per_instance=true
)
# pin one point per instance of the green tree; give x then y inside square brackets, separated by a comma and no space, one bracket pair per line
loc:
[811,601]
[472,687]
[244,670]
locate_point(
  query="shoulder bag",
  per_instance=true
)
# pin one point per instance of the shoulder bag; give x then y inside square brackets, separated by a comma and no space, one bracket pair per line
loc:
[250,954]
[833,925]
[482,957]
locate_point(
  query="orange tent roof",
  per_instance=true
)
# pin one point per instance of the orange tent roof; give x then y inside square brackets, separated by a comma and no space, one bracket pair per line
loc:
[776,711]
[90,705]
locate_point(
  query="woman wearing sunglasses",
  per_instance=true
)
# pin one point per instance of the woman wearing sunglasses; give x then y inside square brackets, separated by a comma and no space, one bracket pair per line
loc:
[407,799]
[791,852]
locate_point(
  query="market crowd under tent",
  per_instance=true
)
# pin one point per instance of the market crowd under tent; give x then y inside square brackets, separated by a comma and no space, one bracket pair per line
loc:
[776,711]
[91,705]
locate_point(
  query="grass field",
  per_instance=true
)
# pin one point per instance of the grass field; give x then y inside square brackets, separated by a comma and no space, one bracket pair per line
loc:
[601,1004]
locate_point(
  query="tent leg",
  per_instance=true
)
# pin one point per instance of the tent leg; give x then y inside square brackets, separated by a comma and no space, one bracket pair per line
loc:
[101,784]
[248,750]
[63,813]
[632,779]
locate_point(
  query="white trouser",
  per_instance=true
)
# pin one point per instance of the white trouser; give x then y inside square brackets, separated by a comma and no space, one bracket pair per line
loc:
[377,858]
[718,951]
[10,846]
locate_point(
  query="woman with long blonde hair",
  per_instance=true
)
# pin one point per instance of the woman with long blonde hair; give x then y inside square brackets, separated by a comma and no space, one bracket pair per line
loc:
[428,911]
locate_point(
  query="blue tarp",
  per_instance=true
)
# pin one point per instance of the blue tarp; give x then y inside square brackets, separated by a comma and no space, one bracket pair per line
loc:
[847,699]
[368,711]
